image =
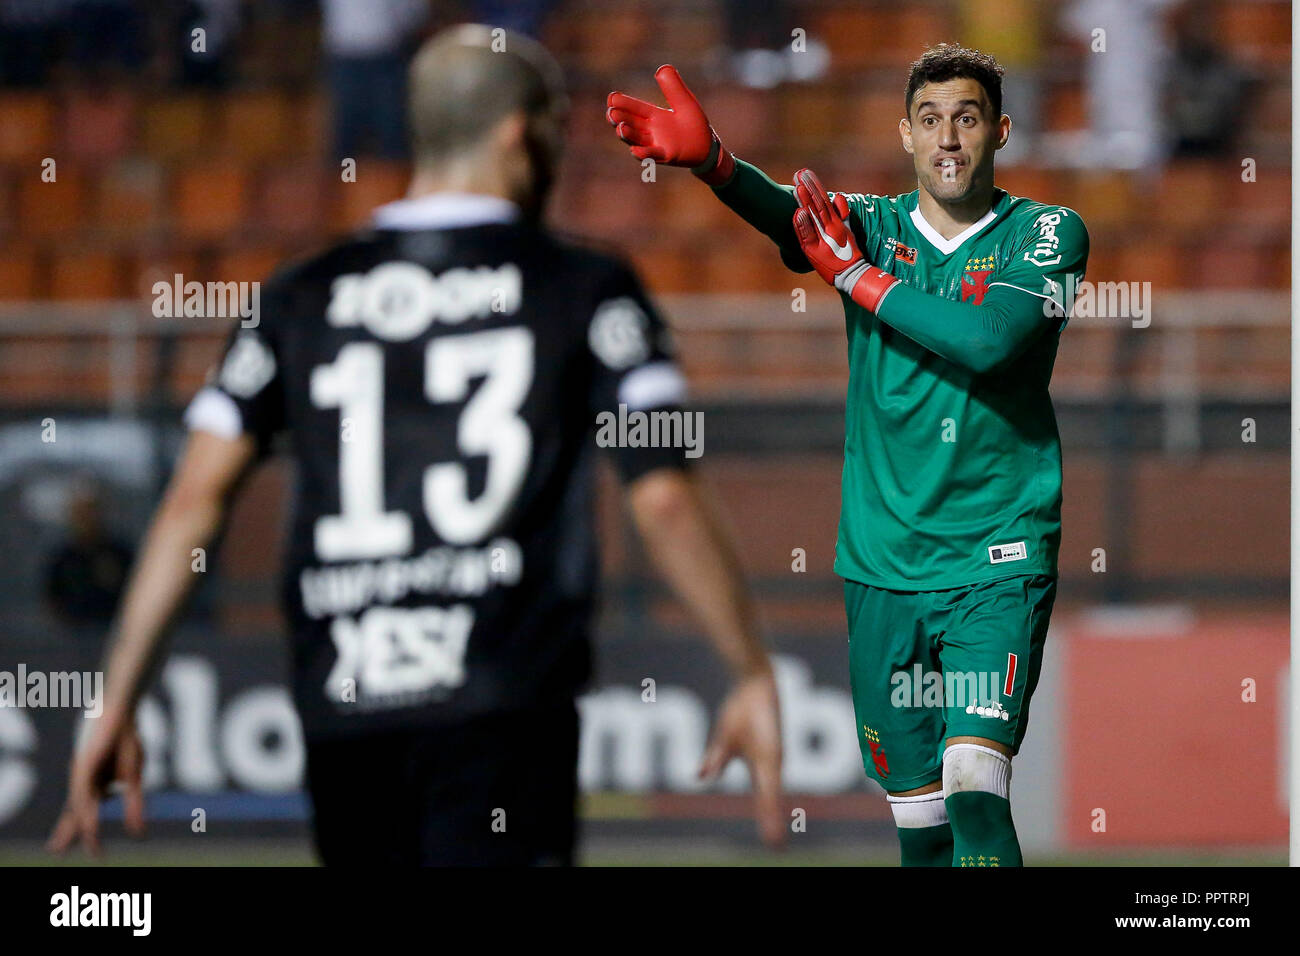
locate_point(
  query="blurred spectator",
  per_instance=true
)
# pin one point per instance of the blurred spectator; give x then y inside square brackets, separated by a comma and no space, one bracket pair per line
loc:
[30,34]
[1124,83]
[210,65]
[524,16]
[367,46]
[760,49]
[86,576]
[106,36]
[1206,88]
[1012,31]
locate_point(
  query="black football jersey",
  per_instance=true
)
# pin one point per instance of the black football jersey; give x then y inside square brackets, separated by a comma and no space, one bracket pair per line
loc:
[438,379]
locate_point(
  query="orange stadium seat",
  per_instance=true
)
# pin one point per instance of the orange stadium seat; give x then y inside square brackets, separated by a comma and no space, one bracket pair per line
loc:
[609,40]
[664,267]
[209,200]
[1163,264]
[54,209]
[247,264]
[1255,32]
[26,127]
[1264,204]
[873,130]
[131,199]
[149,266]
[853,35]
[86,275]
[1066,108]
[1223,262]
[257,125]
[742,117]
[179,127]
[916,27]
[98,125]
[1279,268]
[293,199]
[1183,195]
[20,274]
[1104,199]
[811,114]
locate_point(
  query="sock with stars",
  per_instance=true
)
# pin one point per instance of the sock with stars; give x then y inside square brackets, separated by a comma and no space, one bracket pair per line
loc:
[976,784]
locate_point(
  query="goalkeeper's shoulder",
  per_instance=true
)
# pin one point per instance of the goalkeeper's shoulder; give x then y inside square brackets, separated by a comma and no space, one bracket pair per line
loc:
[1047,230]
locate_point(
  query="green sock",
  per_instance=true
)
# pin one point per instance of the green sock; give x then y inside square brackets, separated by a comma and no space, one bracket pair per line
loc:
[982,831]
[926,846]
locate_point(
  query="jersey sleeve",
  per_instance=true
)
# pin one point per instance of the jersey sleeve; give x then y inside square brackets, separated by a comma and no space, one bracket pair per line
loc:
[864,212]
[244,392]
[1050,260]
[635,374]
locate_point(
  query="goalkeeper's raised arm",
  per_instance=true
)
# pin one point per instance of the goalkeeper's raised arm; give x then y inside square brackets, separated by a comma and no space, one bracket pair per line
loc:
[682,136]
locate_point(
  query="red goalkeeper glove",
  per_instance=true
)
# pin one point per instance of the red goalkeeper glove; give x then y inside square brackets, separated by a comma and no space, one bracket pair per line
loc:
[678,136]
[823,229]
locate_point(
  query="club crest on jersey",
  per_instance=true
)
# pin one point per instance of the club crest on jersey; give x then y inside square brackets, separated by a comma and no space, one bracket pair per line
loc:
[974,282]
[877,751]
[902,253]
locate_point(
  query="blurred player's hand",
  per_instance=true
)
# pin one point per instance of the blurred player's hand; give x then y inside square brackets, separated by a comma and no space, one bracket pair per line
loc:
[678,136]
[749,727]
[822,225]
[108,757]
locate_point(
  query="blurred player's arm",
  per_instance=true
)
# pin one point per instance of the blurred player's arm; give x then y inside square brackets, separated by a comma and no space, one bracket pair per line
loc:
[681,136]
[980,338]
[192,513]
[634,371]
[684,536]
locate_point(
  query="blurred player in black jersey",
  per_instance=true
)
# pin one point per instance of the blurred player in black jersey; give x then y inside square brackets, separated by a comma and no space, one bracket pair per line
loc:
[438,377]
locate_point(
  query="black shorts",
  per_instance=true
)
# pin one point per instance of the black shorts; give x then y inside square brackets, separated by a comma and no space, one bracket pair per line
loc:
[497,791]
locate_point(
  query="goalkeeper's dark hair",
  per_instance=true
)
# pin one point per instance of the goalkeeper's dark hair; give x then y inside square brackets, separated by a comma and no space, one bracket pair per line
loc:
[952,61]
[467,78]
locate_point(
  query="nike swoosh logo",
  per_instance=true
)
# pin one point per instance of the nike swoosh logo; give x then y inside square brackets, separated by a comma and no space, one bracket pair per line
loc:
[842,252]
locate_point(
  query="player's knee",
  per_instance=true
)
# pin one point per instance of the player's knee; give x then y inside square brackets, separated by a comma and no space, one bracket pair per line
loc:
[918,811]
[971,767]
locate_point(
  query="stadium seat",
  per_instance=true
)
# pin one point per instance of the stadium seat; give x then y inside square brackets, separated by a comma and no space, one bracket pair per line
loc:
[152,265]
[1184,197]
[85,276]
[53,209]
[664,267]
[1258,32]
[293,198]
[26,126]
[20,274]
[131,199]
[854,35]
[98,125]
[209,200]
[1104,199]
[811,114]
[247,264]
[257,125]
[610,40]
[179,127]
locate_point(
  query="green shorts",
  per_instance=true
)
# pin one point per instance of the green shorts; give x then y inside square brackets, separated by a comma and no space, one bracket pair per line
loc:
[928,665]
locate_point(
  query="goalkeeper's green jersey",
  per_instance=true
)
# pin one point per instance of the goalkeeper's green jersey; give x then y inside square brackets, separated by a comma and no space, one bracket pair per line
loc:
[952,459]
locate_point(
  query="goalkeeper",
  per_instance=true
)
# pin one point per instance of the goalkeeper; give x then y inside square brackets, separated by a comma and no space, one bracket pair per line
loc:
[955,296]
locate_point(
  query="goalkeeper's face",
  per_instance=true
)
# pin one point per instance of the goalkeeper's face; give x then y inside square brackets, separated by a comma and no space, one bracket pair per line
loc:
[952,136]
